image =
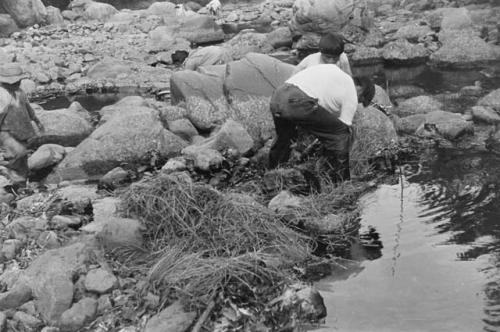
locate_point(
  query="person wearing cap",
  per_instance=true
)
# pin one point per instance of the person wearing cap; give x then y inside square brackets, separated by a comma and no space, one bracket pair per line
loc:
[322,100]
[331,50]
[16,115]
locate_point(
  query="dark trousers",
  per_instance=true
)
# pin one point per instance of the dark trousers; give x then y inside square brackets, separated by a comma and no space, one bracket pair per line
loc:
[291,108]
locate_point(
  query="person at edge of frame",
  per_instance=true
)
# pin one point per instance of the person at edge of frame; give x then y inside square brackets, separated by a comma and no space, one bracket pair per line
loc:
[16,129]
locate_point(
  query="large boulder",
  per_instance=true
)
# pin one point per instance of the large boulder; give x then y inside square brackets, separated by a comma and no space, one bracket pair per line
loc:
[188,83]
[246,42]
[403,52]
[463,48]
[207,56]
[67,127]
[54,16]
[99,11]
[200,29]
[418,105]
[373,131]
[25,12]
[446,124]
[128,137]
[231,135]
[255,75]
[109,68]
[49,280]
[7,25]
[321,16]
[46,155]
[492,100]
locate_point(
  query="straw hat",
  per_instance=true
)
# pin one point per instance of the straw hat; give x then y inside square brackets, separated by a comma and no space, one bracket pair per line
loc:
[11,73]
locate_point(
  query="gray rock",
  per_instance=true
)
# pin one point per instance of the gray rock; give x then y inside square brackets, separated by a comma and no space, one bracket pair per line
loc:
[454,54]
[50,276]
[403,52]
[26,320]
[280,37]
[103,209]
[172,319]
[46,155]
[64,126]
[127,104]
[455,19]
[329,224]
[231,135]
[186,84]
[183,128]
[485,114]
[321,16]
[121,232]
[285,202]
[127,137]
[255,75]
[26,227]
[373,131]
[104,304]
[16,296]
[25,12]
[200,29]
[99,11]
[413,32]
[410,124]
[62,222]
[100,281]
[79,196]
[7,25]
[48,240]
[207,56]
[418,105]
[161,9]
[177,164]
[449,125]
[248,42]
[204,158]
[492,100]
[54,16]
[10,248]
[78,315]
[114,177]
[307,298]
[366,56]
[205,113]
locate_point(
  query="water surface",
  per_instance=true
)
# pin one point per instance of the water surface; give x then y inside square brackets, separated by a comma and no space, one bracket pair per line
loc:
[439,268]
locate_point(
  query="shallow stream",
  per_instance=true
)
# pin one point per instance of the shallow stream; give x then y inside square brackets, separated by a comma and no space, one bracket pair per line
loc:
[439,269]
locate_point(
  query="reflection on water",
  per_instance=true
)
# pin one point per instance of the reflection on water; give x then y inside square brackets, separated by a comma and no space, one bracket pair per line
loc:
[440,265]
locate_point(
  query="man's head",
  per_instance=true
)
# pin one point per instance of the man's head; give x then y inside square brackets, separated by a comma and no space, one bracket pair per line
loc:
[331,47]
[365,89]
[11,75]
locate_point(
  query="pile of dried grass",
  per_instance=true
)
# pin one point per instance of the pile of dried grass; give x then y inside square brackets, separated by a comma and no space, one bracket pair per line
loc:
[202,240]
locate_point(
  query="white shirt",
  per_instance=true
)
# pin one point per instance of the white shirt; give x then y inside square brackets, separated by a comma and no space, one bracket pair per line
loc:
[334,89]
[315,59]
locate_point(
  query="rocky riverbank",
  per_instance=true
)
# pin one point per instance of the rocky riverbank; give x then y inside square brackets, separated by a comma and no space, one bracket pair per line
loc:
[79,248]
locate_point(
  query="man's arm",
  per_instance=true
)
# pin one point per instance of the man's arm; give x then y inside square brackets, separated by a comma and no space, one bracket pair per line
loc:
[344,64]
